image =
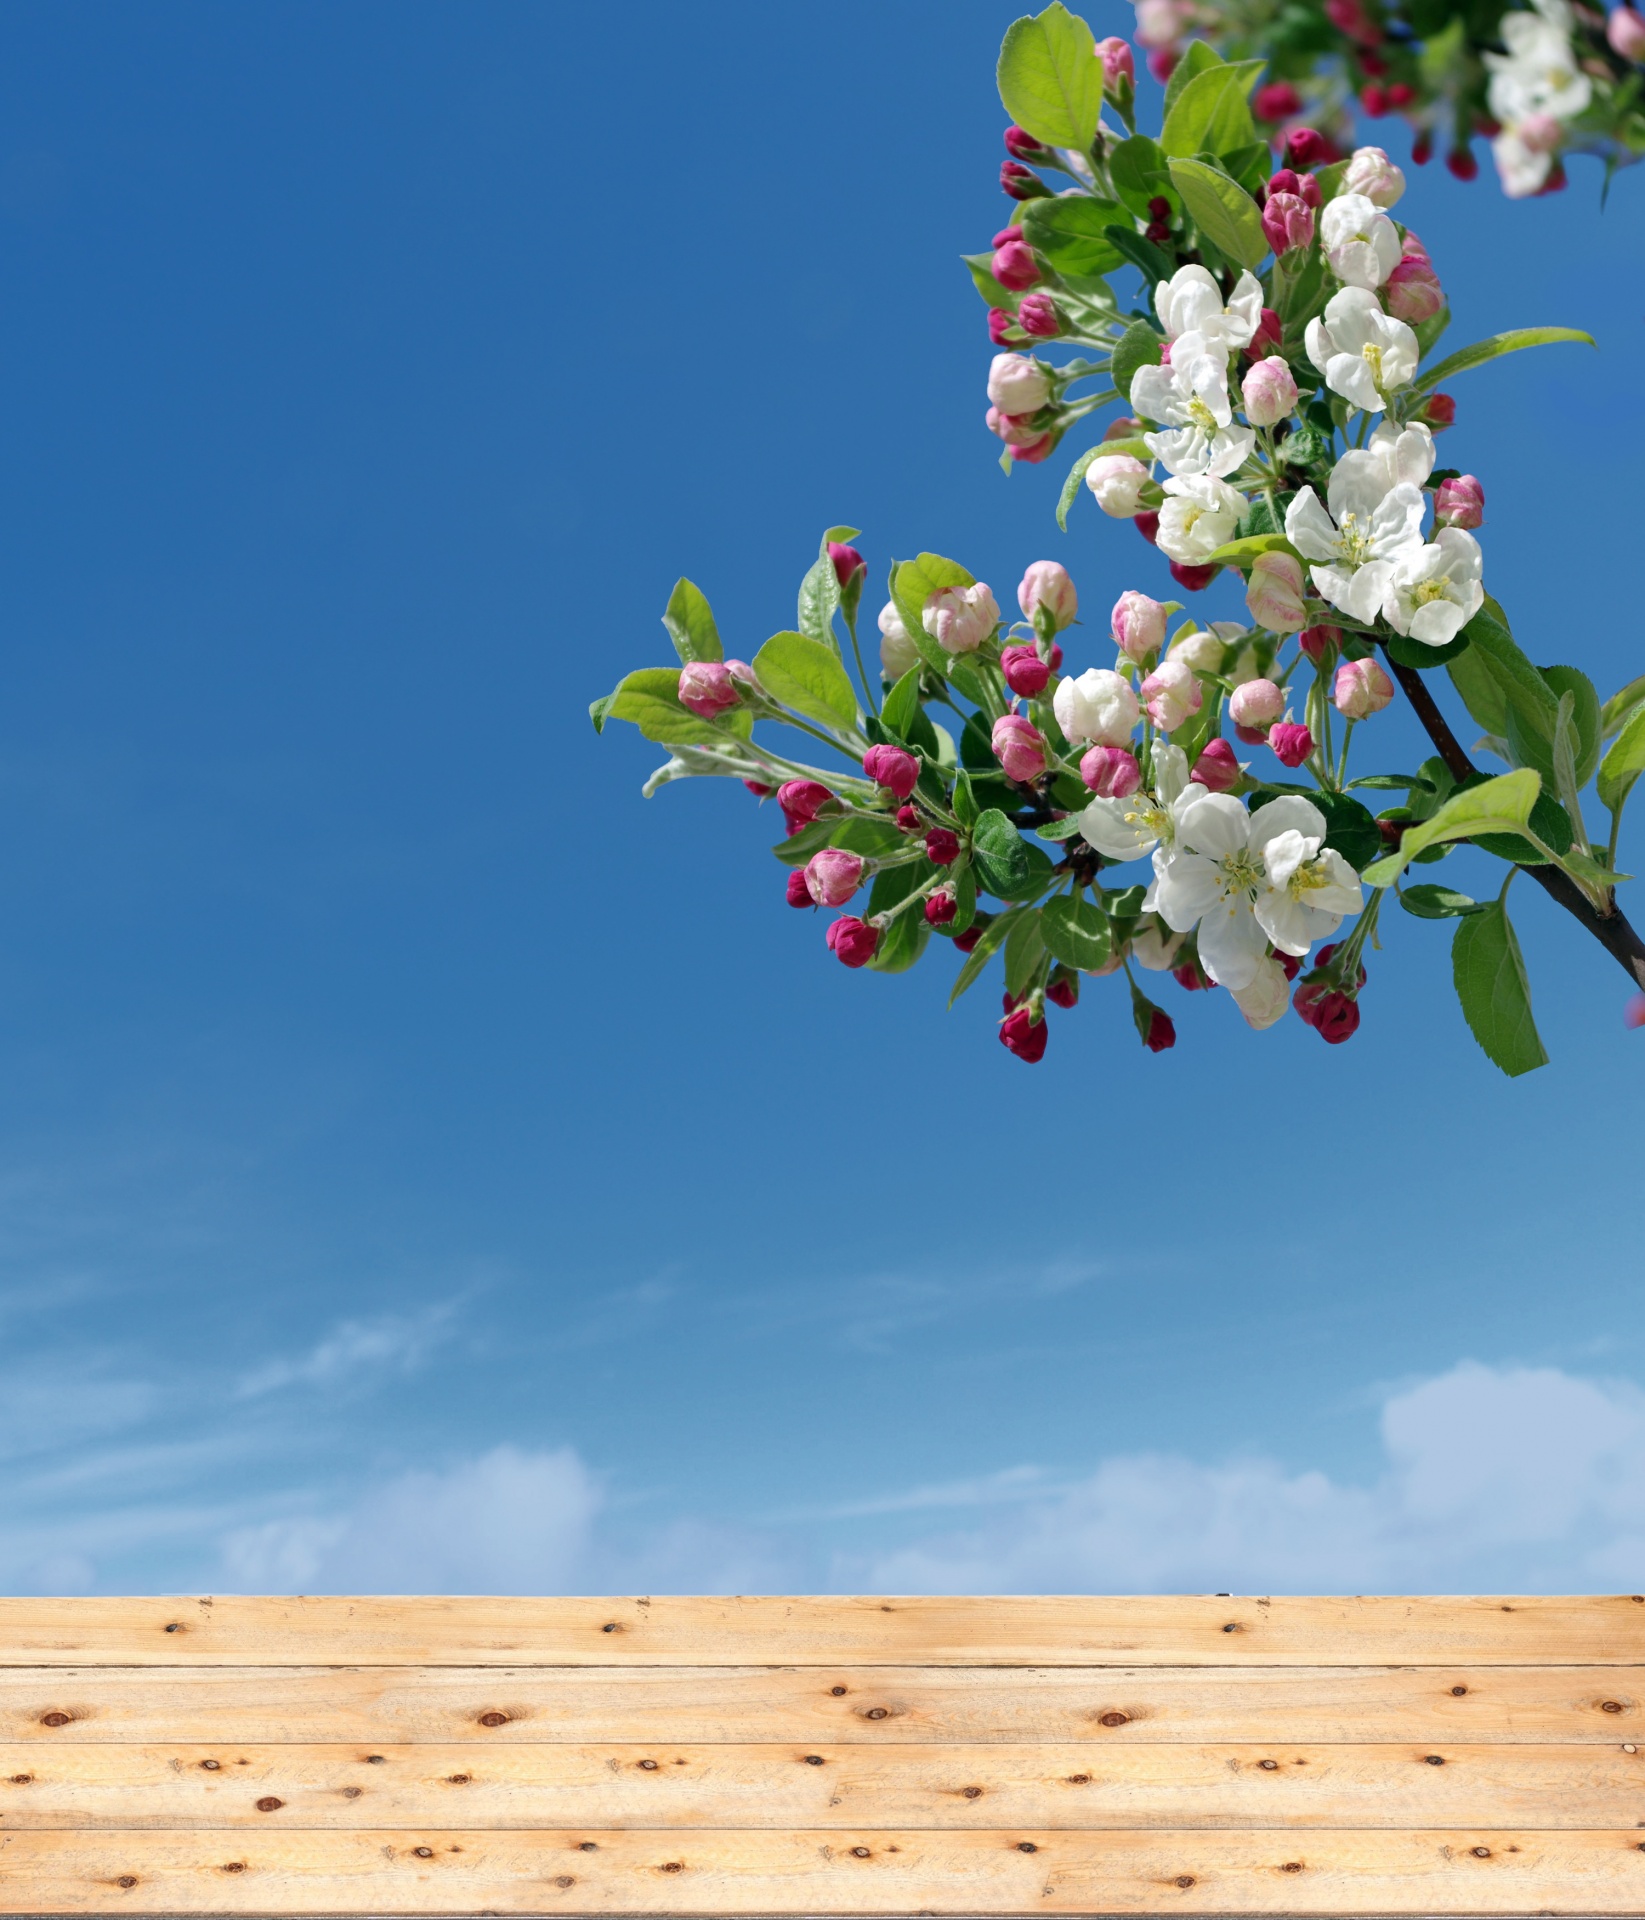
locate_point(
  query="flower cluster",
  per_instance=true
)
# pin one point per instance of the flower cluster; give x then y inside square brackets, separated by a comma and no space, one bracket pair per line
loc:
[1537,81]
[1187,805]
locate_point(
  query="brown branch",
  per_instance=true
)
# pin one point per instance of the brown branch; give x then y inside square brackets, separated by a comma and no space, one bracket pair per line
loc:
[1612,930]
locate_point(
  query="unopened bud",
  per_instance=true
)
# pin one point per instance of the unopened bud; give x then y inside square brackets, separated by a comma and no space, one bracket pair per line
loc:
[892,767]
[1460,503]
[1317,642]
[1063,988]
[1014,265]
[1116,480]
[1025,672]
[1111,772]
[1047,597]
[1258,703]
[940,907]
[1019,746]
[1118,63]
[1278,100]
[1291,743]
[759,789]
[1021,184]
[960,619]
[1160,1034]
[1024,1035]
[799,894]
[1439,411]
[898,653]
[853,941]
[801,802]
[1361,689]
[1217,769]
[1413,292]
[1023,146]
[847,561]
[1138,624]
[833,876]
[1274,593]
[1305,147]
[1017,383]
[1625,29]
[1269,392]
[706,688]
[1193,579]
[942,846]
[908,819]
[1037,315]
[1303,185]
[1002,328]
[1287,222]
[1171,693]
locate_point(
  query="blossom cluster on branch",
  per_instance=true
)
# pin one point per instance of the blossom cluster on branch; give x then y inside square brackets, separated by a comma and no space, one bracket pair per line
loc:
[1188,805]
[1536,81]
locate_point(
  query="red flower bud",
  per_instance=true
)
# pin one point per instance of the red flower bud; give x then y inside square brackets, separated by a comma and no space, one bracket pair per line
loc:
[1015,267]
[759,789]
[1025,672]
[801,801]
[892,767]
[908,818]
[1374,101]
[1333,1015]
[1159,208]
[707,689]
[1159,231]
[1278,100]
[1289,964]
[1063,988]
[940,907]
[799,894]
[1317,642]
[1270,335]
[1462,163]
[1020,183]
[1024,1035]
[1373,65]
[1422,149]
[1023,146]
[1304,147]
[1192,579]
[833,876]
[964,942]
[1161,1033]
[1440,411]
[847,561]
[1019,746]
[1147,524]
[1325,955]
[1002,328]
[1217,768]
[941,846]
[1291,743]
[853,940]
[1400,95]
[1038,317]
[1188,976]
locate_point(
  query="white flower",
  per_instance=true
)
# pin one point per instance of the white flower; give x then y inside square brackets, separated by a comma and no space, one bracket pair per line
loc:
[1127,829]
[1354,546]
[1199,515]
[1360,241]
[1117,481]
[1436,590]
[1098,707]
[1264,1001]
[1406,453]
[897,652]
[1153,947]
[1191,302]
[1370,172]
[1246,879]
[1362,351]
[1017,383]
[1522,169]
[1539,73]
[1191,395]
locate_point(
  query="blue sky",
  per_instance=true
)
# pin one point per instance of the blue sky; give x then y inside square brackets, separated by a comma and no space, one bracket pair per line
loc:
[424,1163]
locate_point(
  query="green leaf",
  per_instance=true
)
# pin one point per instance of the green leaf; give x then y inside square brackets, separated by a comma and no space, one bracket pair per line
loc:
[1406,652]
[1001,854]
[1155,264]
[901,943]
[1211,114]
[1224,212]
[1531,748]
[912,584]
[1549,822]
[1050,78]
[1617,711]
[1138,171]
[1351,828]
[1489,972]
[1389,782]
[1139,346]
[1024,951]
[873,839]
[843,535]
[1071,486]
[650,700]
[690,624]
[1494,806]
[599,709]
[1438,903]
[1070,231]
[902,704]
[989,941]
[965,805]
[1240,553]
[1494,348]
[1077,932]
[1194,60]
[1623,765]
[799,847]
[964,883]
[1522,686]
[982,275]
[807,676]
[819,601]
[1475,680]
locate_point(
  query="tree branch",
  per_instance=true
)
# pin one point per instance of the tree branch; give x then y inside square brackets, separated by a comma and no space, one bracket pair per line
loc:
[1612,930]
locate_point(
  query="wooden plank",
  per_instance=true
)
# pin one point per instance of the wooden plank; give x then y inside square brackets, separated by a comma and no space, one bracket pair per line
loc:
[658,1786]
[821,1631]
[879,1705]
[441,1871]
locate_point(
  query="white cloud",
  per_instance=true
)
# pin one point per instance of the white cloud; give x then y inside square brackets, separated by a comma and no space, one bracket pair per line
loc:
[355,1349]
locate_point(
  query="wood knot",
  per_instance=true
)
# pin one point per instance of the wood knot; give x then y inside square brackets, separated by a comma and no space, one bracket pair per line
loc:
[1458,1692]
[457,1779]
[878,1713]
[493,1719]
[648,1766]
[815,1760]
[565,1880]
[972,1793]
[212,1766]
[1482,1853]
[1291,1866]
[836,1691]
[174,1626]
[423,1853]
[234,1866]
[352,1793]
[1115,1719]
[1079,1779]
[1610,1706]
[126,1880]
[1185,1880]
[611,1626]
[1231,1627]
[588,1846]
[269,1804]
[672,1866]
[1434,1759]
[859,1853]
[1026,1846]
[1269,1766]
[56,1718]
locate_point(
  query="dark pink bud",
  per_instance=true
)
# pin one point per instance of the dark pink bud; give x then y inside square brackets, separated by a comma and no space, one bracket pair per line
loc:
[1269,336]
[1190,979]
[1111,772]
[801,801]
[1288,222]
[852,940]
[1413,291]
[1278,100]
[1462,163]
[942,846]
[1305,147]
[1024,1035]
[964,942]
[1374,101]
[1317,642]
[893,767]
[1349,17]
[847,561]
[1291,743]
[1161,1033]
[1289,965]
[1373,65]
[1023,146]
[799,894]
[1063,989]
[1002,328]
[908,818]
[1217,768]
[1020,184]
[1422,148]
[1193,579]
[1147,524]
[1015,266]
[940,907]
[1019,746]
[1034,451]
[759,789]
[1025,672]
[1400,95]
[1159,208]
[706,688]
[1440,411]
[1038,317]
[1460,503]
[1332,1014]
[1162,63]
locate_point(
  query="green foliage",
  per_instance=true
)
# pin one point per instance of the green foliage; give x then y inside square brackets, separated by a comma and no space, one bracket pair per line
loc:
[690,624]
[1624,763]
[1071,232]
[1024,953]
[1077,932]
[819,602]
[1139,346]
[1224,212]
[806,674]
[903,941]
[1494,348]
[1002,855]
[1050,78]
[1532,748]
[1621,706]
[650,700]
[1138,170]
[989,941]
[1437,903]
[1211,114]
[1489,972]
[1494,806]
[912,583]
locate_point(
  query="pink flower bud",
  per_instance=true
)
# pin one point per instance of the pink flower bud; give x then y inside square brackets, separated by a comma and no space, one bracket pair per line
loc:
[1189,977]
[1373,101]
[847,561]
[1161,1033]
[1015,267]
[853,941]
[1024,1035]
[1002,328]
[1047,596]
[1117,63]
[1278,100]
[1038,317]
[1017,383]
[1269,392]
[1292,743]
[1370,172]
[940,907]
[1625,30]
[893,767]
[1017,181]
[942,847]
[1304,147]
[960,619]
[833,876]
[1111,772]
[1274,593]
[1361,689]
[1287,222]
[706,688]
[1460,503]
[1461,162]
[1193,579]
[759,789]
[1036,450]
[1269,336]
[1023,146]
[1019,746]
[1413,291]
[1317,642]
[1303,185]
[1162,63]
[1258,703]
[1063,988]
[1439,411]
[1025,672]
[1218,767]
[1349,17]
[1015,429]
[1171,693]
[801,802]
[1117,480]
[908,819]
[1138,626]
[799,894]
[1332,1014]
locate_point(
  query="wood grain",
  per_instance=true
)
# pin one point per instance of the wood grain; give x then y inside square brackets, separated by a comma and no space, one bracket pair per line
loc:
[878,1706]
[814,1631]
[444,1871]
[659,1786]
